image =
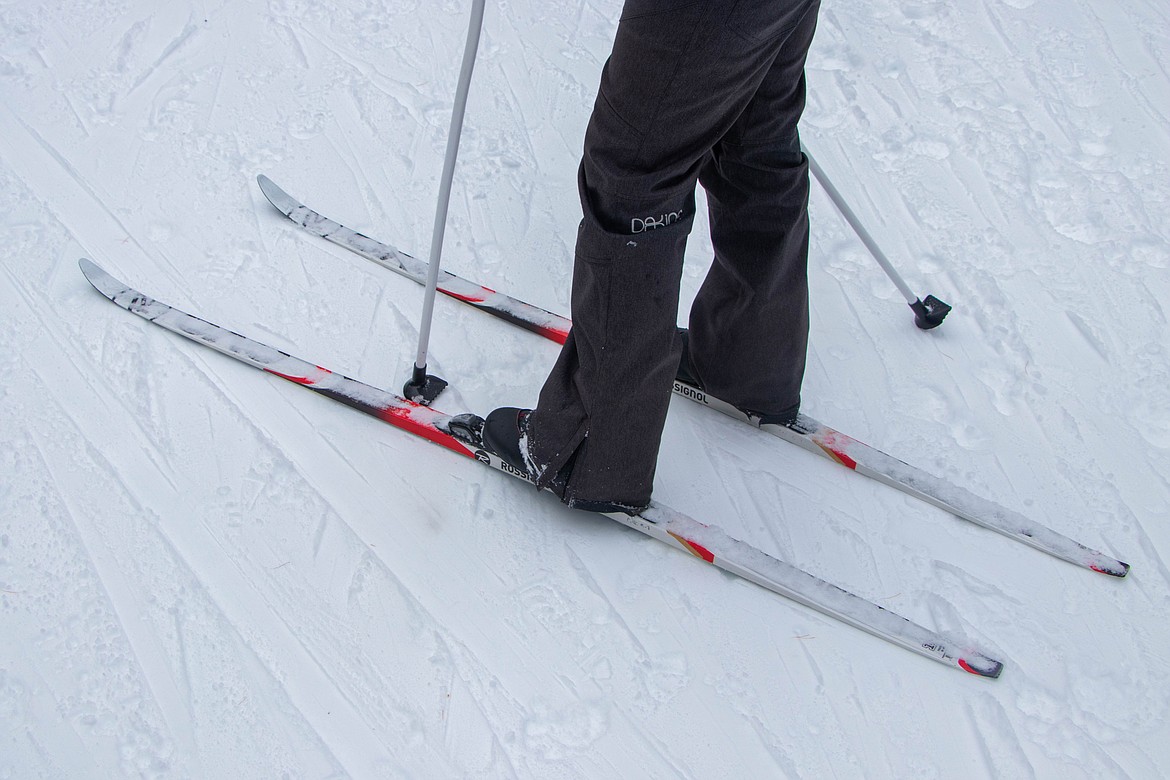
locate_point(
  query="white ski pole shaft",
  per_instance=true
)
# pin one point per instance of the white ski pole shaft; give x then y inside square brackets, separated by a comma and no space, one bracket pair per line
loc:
[929,312]
[473,32]
[858,228]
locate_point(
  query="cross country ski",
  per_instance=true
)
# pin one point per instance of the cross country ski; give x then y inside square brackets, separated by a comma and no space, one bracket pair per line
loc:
[460,434]
[805,431]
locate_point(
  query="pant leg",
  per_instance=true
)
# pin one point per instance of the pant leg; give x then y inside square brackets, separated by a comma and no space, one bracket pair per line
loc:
[603,406]
[680,75]
[749,321]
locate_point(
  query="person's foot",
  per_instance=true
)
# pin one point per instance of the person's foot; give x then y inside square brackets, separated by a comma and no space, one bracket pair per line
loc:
[686,374]
[783,417]
[505,433]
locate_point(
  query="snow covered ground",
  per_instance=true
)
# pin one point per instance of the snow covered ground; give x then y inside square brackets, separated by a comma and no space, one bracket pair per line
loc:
[207,572]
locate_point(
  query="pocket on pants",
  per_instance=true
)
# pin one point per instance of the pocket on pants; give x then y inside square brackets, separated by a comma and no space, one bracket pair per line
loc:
[599,246]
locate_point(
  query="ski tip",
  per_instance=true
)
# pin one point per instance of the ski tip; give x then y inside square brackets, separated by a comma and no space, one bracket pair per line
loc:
[276,196]
[93,273]
[102,281]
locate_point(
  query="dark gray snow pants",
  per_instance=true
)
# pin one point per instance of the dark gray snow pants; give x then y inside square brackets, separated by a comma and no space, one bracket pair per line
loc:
[706,92]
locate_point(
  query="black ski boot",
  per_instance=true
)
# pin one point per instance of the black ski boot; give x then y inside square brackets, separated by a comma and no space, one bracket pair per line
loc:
[504,433]
[686,374]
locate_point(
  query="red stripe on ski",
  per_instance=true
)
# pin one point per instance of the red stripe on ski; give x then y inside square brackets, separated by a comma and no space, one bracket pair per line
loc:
[398,416]
[401,417]
[835,443]
[840,457]
[470,298]
[300,380]
[465,298]
[559,335]
[554,334]
[696,549]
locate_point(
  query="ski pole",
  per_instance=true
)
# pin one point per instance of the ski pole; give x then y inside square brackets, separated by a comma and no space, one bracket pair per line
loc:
[929,312]
[423,388]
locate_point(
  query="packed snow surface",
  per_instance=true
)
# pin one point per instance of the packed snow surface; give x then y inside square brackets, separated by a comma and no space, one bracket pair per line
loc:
[208,572]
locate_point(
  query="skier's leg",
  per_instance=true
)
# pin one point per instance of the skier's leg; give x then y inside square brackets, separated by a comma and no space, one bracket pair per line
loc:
[749,322]
[680,75]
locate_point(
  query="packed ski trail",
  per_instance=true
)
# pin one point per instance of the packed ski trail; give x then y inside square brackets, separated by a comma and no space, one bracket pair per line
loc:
[206,572]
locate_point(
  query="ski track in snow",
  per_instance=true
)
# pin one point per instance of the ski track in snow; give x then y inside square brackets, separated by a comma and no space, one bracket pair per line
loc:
[206,572]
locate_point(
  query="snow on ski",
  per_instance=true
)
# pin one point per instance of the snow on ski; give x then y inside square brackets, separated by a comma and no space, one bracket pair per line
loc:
[459,434]
[805,431]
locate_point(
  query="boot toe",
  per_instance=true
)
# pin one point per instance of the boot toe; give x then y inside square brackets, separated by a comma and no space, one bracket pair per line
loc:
[503,430]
